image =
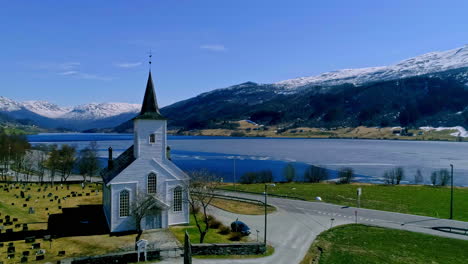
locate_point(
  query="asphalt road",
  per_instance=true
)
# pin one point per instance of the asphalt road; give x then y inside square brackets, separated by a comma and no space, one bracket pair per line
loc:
[294,226]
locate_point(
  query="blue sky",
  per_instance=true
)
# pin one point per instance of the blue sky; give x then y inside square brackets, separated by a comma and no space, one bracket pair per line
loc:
[76,52]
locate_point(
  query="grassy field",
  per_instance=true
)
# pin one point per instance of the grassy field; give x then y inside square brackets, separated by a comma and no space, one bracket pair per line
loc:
[213,235]
[12,204]
[250,130]
[364,244]
[410,199]
[238,207]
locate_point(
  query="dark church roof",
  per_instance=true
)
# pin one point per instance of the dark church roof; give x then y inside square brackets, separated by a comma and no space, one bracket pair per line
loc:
[149,108]
[118,165]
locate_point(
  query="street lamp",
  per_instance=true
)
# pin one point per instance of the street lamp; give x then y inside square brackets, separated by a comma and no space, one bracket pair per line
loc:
[451,192]
[265,235]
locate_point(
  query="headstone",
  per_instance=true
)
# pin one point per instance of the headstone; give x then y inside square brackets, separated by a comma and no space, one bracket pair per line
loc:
[11,250]
[11,255]
[26,253]
[25,205]
[39,257]
[15,219]
[10,244]
[61,253]
[17,225]
[79,195]
[36,246]
[47,209]
[60,207]
[24,259]
[31,210]
[12,203]
[59,201]
[47,238]
[49,195]
[30,239]
[55,197]
[22,194]
[87,194]
[9,231]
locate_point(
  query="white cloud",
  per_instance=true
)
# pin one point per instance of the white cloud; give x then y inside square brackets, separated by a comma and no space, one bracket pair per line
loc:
[128,64]
[69,73]
[214,47]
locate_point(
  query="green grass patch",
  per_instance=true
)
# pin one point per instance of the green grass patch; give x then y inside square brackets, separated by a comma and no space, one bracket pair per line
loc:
[365,244]
[409,199]
[213,235]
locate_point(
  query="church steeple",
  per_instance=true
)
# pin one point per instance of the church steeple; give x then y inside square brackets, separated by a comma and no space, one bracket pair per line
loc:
[149,108]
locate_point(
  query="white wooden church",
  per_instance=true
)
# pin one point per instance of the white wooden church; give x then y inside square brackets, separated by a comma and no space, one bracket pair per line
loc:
[144,167]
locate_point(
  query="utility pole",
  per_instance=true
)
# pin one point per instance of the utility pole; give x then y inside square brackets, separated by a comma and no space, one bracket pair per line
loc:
[451,192]
[235,174]
[265,235]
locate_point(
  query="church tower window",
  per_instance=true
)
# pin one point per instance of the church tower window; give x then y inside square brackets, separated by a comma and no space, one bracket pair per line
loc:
[152,138]
[124,203]
[152,183]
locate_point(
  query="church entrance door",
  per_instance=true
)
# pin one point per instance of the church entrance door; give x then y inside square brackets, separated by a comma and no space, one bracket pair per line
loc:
[153,219]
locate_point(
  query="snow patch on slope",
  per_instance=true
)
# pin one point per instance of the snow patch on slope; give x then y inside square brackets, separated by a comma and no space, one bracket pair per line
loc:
[420,65]
[46,109]
[461,130]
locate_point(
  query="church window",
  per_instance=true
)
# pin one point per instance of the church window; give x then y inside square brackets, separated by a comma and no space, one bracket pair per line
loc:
[152,138]
[152,183]
[124,203]
[178,199]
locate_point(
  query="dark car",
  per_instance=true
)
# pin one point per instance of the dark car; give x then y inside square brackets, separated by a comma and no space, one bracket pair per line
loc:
[241,227]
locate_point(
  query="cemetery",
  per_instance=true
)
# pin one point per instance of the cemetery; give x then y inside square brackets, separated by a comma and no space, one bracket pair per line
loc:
[51,222]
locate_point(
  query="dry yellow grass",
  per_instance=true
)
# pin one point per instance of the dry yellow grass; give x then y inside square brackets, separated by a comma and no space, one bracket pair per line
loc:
[74,246]
[239,207]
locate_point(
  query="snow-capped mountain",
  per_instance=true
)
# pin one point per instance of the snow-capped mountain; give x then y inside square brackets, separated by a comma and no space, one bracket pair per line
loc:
[427,63]
[79,117]
[46,109]
[100,111]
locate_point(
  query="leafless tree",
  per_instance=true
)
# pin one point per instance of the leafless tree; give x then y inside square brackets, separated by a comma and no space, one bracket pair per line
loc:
[142,206]
[201,188]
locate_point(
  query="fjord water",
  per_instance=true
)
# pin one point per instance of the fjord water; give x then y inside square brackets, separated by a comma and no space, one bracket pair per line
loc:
[368,158]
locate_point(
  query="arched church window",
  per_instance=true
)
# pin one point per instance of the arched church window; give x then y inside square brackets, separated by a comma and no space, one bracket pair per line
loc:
[152,138]
[177,199]
[124,203]
[152,183]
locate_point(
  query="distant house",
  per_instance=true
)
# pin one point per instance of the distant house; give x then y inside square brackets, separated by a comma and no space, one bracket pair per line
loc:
[144,167]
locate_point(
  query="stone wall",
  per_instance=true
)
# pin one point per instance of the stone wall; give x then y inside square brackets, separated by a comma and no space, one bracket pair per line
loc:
[253,248]
[118,258]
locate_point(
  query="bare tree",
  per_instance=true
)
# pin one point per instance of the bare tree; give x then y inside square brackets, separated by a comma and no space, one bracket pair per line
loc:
[142,206]
[88,164]
[418,177]
[201,188]
[66,161]
[345,175]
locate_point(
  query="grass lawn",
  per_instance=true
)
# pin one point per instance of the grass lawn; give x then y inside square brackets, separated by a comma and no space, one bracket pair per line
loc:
[239,207]
[213,235]
[410,199]
[11,204]
[365,244]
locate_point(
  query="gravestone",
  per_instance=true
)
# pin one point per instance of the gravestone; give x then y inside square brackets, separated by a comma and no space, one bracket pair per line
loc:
[1,220]
[49,195]
[15,219]
[1,244]
[17,225]
[8,231]
[39,257]
[10,244]
[47,209]
[55,197]
[31,210]
[47,238]
[61,253]
[60,207]
[36,246]
[11,255]
[12,203]
[24,259]
[27,199]
[26,253]
[59,201]
[30,239]
[11,250]
[22,194]
[79,195]
[25,205]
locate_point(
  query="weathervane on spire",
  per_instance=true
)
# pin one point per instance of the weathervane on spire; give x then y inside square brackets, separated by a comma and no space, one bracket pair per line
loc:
[150,55]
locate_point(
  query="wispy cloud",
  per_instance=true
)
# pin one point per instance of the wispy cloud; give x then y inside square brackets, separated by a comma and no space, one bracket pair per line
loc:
[128,64]
[83,75]
[213,47]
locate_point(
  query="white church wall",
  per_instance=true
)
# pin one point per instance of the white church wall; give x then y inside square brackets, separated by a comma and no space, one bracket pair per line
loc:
[106,202]
[121,224]
[143,148]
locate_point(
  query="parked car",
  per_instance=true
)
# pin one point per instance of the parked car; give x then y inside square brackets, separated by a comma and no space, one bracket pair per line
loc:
[241,227]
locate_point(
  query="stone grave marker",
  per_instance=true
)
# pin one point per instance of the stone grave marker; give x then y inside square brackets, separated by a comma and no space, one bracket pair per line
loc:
[15,219]
[36,246]
[9,230]
[26,253]
[39,257]
[31,210]
[61,253]
[11,255]
[49,195]
[22,194]
[17,225]
[11,249]
[30,239]
[24,259]
[25,205]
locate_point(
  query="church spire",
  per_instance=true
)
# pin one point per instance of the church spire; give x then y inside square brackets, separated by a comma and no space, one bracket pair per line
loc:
[149,108]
